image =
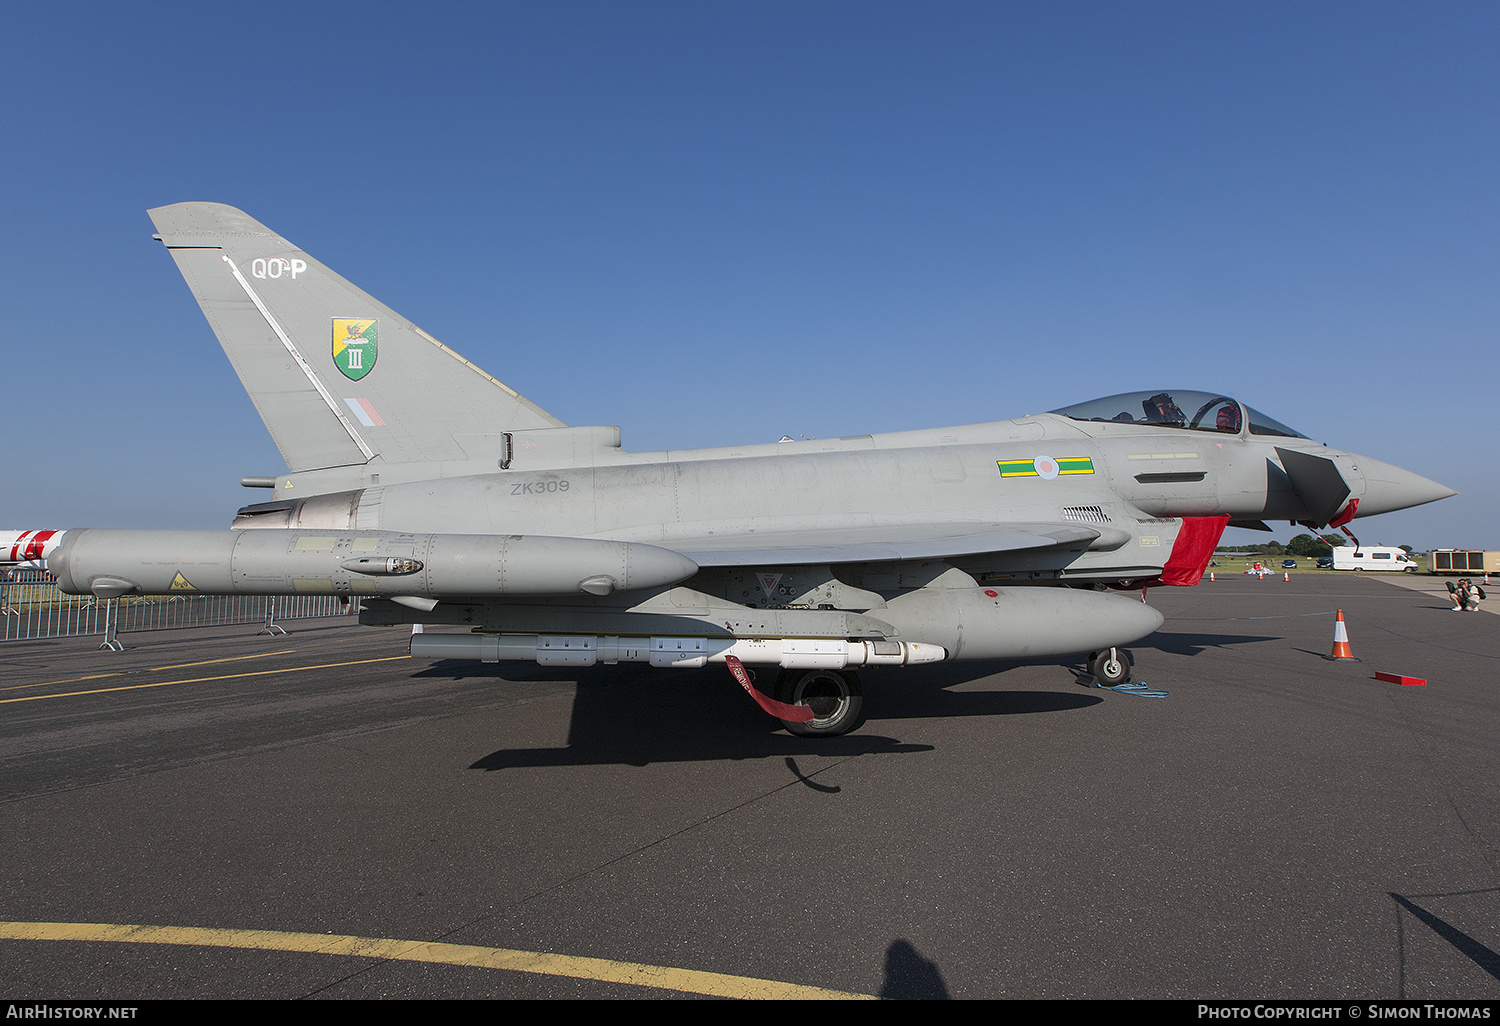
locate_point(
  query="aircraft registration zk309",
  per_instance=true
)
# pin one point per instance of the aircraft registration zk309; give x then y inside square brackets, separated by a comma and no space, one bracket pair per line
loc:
[436,495]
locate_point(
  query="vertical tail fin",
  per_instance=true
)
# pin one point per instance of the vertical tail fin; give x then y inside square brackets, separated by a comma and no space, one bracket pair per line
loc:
[338,377]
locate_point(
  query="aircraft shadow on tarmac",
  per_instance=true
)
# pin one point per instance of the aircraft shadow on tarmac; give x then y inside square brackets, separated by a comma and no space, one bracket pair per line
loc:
[1194,643]
[634,716]
[1483,956]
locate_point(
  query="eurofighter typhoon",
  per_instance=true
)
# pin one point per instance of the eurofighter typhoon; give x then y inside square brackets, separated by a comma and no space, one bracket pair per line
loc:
[434,494]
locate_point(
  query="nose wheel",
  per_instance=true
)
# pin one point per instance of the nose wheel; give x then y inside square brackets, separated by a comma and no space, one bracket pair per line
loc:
[1110,667]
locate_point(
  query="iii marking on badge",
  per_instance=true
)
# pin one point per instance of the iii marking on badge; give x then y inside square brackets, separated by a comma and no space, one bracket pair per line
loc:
[353,347]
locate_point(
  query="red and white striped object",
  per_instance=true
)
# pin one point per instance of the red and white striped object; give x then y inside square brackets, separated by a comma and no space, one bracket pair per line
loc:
[27,546]
[1341,649]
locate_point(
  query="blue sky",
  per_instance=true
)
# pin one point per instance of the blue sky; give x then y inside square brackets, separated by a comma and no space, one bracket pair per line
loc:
[719,222]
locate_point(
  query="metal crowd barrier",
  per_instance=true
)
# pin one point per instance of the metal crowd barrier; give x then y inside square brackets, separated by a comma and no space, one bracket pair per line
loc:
[31,607]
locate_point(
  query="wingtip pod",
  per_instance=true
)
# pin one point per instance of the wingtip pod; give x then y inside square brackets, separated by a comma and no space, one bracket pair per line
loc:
[374,563]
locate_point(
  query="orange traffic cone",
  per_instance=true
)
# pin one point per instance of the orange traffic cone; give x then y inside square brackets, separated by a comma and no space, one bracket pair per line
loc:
[1211,577]
[1341,648]
[1287,575]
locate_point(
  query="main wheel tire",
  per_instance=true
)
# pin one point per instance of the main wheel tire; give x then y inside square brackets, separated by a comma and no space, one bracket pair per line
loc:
[835,697]
[1110,667]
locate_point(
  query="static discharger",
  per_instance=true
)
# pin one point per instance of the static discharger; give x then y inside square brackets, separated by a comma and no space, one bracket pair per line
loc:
[1341,649]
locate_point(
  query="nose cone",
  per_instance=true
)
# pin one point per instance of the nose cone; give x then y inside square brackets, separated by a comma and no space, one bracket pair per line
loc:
[1390,488]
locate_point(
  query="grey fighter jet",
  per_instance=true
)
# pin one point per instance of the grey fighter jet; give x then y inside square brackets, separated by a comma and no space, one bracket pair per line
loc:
[436,495]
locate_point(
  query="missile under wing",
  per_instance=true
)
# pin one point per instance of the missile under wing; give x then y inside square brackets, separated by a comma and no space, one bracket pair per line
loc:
[439,496]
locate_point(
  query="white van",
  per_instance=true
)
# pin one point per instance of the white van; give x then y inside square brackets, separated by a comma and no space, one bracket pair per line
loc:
[1372,557]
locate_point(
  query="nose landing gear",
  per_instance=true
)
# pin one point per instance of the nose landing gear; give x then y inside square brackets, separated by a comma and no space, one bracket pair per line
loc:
[1110,667]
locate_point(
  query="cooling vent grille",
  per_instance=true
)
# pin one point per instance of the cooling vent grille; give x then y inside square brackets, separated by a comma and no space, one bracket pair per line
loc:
[1085,514]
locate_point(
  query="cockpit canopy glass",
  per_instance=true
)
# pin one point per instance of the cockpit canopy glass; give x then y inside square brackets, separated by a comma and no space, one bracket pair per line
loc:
[1195,411]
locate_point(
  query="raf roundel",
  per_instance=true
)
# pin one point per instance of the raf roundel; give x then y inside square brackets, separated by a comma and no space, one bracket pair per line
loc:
[1046,467]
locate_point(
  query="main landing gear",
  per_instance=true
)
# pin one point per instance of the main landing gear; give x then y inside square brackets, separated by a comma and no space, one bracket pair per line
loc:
[809,703]
[834,696]
[1110,667]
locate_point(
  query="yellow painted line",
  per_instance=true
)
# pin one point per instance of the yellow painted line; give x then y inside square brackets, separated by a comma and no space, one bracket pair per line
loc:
[200,680]
[147,669]
[635,974]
